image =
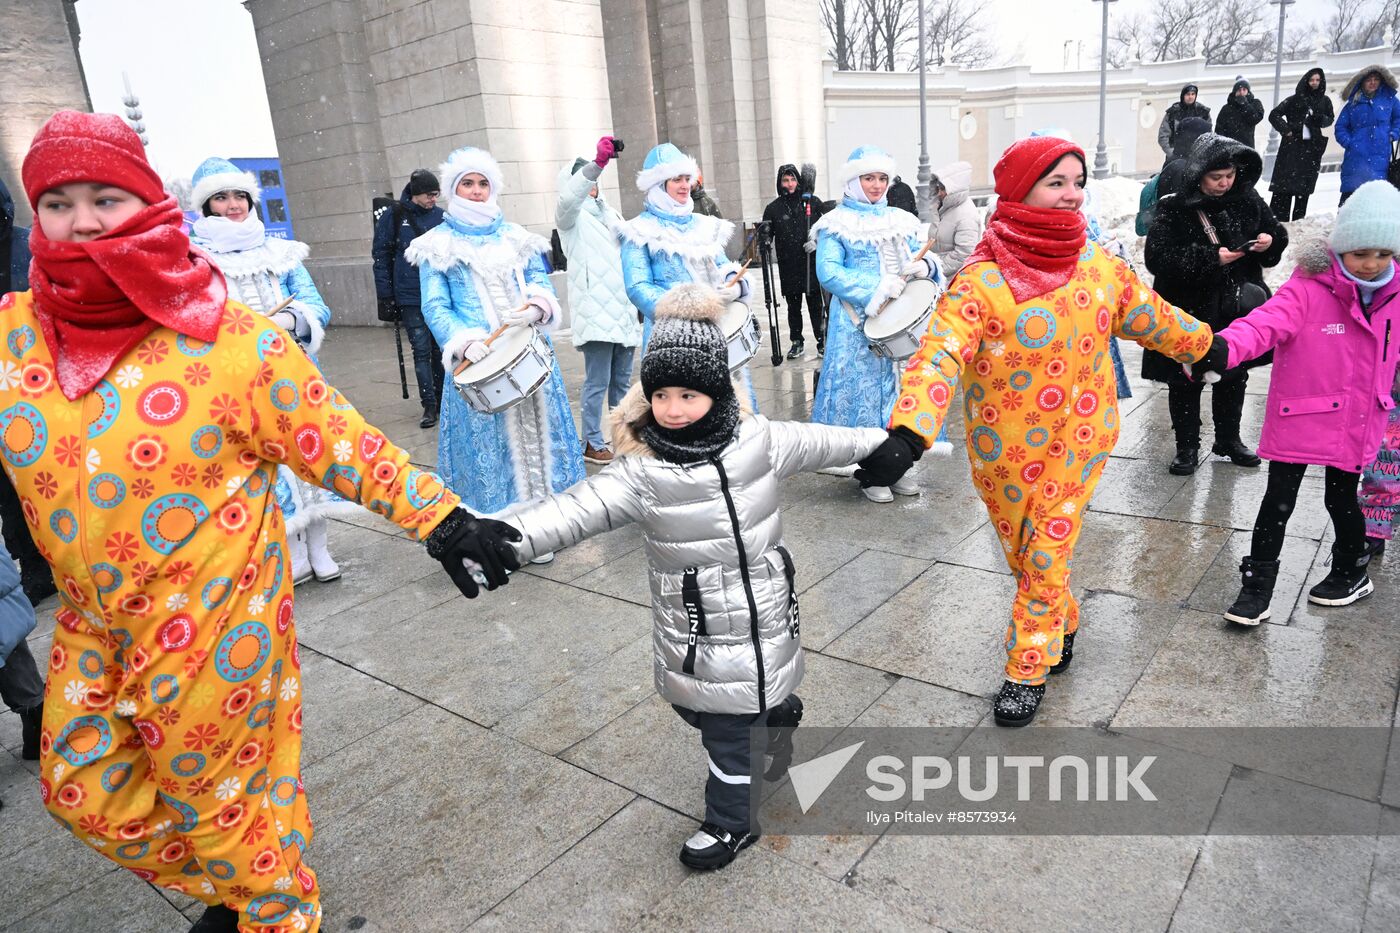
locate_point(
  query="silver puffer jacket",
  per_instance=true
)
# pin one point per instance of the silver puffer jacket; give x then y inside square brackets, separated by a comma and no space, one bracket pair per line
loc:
[726,632]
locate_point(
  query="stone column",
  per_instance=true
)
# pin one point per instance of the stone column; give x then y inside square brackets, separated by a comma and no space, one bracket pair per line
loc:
[39,74]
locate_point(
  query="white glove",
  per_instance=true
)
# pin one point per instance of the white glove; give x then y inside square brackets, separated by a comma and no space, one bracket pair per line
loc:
[915,269]
[809,246]
[731,292]
[476,351]
[533,314]
[891,286]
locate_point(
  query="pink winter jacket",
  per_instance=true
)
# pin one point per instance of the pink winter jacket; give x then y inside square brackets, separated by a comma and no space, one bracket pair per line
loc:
[1330,387]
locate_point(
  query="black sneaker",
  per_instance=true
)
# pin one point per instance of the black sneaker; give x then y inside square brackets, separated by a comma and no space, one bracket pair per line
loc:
[216,919]
[1066,654]
[783,719]
[1346,583]
[712,847]
[31,723]
[796,350]
[1239,454]
[821,346]
[429,419]
[1016,704]
[1185,462]
[1257,579]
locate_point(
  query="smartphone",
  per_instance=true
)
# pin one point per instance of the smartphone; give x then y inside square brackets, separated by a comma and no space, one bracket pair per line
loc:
[1243,247]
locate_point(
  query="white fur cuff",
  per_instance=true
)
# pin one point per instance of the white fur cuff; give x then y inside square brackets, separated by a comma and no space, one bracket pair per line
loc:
[453,351]
[890,287]
[547,302]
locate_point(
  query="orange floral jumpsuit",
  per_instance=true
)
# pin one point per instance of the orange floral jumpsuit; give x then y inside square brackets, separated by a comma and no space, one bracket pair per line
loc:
[172,723]
[1042,418]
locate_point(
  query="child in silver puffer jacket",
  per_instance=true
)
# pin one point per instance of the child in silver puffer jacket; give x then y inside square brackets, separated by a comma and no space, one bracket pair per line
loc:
[701,476]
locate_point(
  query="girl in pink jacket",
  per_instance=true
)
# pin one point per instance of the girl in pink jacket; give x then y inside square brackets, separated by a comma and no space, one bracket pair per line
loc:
[1334,328]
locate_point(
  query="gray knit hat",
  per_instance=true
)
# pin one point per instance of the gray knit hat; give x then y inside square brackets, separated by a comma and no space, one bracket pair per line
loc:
[1369,220]
[687,347]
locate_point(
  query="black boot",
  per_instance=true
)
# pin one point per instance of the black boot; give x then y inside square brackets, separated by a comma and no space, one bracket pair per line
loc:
[1016,704]
[796,350]
[1376,546]
[821,345]
[712,847]
[1347,582]
[1257,578]
[430,418]
[1066,654]
[31,723]
[1235,449]
[1185,462]
[216,919]
[784,718]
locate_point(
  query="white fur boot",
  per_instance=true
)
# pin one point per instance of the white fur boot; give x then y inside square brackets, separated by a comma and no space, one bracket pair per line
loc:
[322,566]
[301,565]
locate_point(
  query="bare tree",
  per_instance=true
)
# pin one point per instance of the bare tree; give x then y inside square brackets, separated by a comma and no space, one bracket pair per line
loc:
[1361,24]
[1171,34]
[843,28]
[891,25]
[1126,40]
[1233,31]
[955,33]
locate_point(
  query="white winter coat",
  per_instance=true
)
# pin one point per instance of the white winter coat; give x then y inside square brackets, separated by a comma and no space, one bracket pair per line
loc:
[737,603]
[598,304]
[959,223]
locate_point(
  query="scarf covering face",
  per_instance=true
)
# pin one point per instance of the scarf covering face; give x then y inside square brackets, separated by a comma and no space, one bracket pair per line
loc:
[697,441]
[98,299]
[662,203]
[1035,248]
[230,236]
[473,213]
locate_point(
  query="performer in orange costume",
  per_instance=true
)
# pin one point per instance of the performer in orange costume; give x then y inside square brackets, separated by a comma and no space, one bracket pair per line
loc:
[1025,327]
[142,416]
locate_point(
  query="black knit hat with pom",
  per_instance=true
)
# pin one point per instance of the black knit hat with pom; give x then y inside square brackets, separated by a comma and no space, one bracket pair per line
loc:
[687,347]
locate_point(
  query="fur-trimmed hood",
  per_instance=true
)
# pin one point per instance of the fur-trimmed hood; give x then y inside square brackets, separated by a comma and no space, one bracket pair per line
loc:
[1313,256]
[1352,86]
[1212,149]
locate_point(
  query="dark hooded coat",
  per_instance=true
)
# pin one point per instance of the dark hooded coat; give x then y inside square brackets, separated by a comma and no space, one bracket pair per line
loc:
[14,247]
[1240,115]
[1186,265]
[1191,129]
[791,221]
[1295,171]
[902,196]
[1171,120]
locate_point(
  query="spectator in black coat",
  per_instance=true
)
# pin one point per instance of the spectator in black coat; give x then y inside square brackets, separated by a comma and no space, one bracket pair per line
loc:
[791,215]
[396,282]
[900,195]
[1299,119]
[1170,180]
[1240,115]
[1183,109]
[1191,252]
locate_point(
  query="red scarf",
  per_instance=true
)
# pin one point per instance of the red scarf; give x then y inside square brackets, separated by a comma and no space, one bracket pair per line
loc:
[98,299]
[1035,248]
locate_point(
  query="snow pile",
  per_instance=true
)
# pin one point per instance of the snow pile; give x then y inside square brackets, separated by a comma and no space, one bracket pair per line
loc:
[1114,200]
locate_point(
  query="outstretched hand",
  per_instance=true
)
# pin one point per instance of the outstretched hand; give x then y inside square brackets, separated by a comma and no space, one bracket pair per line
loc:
[474,551]
[891,460]
[1209,367]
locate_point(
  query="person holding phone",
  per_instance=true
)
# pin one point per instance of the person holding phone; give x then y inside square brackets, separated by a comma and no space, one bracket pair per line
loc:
[1208,248]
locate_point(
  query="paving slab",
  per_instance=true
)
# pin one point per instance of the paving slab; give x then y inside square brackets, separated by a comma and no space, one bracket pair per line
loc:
[108,900]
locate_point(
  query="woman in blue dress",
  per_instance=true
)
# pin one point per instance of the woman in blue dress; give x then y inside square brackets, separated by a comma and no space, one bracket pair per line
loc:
[262,272]
[668,243]
[476,269]
[865,252]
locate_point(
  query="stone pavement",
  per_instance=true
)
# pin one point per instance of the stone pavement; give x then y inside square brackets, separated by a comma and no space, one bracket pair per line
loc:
[505,763]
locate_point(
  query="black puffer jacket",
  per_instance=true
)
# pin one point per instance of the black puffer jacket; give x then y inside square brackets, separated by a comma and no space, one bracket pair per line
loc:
[788,213]
[1186,265]
[1171,121]
[1295,171]
[1240,115]
[14,247]
[1191,129]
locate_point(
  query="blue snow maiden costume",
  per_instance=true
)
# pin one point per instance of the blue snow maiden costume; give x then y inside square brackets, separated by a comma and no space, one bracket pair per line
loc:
[861,249]
[668,244]
[475,268]
[262,271]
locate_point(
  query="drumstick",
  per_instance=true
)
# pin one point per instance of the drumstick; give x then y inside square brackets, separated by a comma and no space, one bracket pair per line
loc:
[748,248]
[488,341]
[288,300]
[917,256]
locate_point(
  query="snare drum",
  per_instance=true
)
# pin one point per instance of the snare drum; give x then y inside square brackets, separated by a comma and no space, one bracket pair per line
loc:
[741,334]
[518,363]
[895,333]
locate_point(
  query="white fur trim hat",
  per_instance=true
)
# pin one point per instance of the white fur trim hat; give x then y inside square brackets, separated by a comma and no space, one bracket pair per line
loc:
[215,175]
[866,159]
[665,162]
[466,160]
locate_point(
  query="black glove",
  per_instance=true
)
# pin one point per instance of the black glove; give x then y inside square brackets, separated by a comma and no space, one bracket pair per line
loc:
[1216,360]
[389,311]
[892,459]
[463,536]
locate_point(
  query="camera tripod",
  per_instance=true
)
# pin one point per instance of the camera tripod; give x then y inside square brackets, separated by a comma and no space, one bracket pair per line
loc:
[770,298]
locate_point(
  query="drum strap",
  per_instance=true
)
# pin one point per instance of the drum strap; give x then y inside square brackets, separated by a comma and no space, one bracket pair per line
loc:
[695,615]
[794,613]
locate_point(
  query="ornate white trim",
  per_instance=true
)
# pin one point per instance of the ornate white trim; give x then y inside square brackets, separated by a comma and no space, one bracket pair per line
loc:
[275,256]
[855,226]
[441,248]
[703,238]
